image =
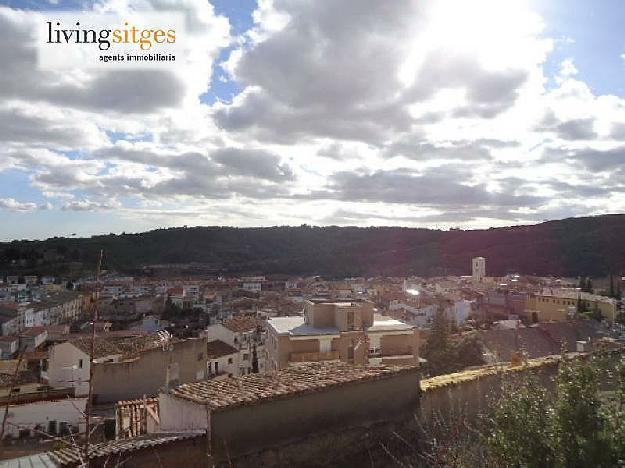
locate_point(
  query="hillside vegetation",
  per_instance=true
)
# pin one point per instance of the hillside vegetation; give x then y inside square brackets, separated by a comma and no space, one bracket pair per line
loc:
[589,246]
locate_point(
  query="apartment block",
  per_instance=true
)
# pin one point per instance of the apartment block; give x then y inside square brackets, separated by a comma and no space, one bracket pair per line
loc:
[348,331]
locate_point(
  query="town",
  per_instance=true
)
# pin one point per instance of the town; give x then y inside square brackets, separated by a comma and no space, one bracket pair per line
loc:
[229,368]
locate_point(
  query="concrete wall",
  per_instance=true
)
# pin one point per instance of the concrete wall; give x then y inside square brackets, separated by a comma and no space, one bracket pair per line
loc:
[399,344]
[38,415]
[68,366]
[473,396]
[248,429]
[151,371]
[190,453]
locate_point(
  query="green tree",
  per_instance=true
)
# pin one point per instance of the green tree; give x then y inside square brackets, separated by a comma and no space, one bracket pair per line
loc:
[437,349]
[612,290]
[568,430]
[520,435]
[469,352]
[577,422]
[446,354]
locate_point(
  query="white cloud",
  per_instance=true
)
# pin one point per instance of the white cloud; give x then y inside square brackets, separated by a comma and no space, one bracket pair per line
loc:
[13,205]
[359,111]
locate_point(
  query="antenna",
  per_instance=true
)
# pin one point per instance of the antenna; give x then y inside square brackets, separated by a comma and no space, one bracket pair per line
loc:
[94,319]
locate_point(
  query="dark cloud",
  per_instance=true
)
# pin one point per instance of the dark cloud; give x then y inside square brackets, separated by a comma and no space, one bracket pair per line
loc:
[133,91]
[255,163]
[488,92]
[574,129]
[332,71]
[17,127]
[437,187]
[419,150]
[578,129]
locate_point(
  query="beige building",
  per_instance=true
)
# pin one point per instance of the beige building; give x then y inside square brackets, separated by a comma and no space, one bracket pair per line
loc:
[347,331]
[478,269]
[560,304]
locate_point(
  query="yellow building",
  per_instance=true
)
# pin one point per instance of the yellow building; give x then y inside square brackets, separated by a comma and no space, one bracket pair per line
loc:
[559,305]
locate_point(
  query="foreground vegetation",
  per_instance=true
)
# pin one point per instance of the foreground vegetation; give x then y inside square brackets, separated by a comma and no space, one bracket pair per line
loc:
[527,425]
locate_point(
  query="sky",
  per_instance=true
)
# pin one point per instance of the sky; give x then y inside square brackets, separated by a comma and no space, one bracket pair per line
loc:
[420,113]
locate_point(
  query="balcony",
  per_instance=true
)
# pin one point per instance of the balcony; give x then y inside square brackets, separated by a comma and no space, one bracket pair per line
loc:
[314,356]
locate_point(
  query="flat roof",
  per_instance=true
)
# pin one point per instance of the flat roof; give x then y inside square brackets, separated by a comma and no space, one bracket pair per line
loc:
[383,323]
[295,326]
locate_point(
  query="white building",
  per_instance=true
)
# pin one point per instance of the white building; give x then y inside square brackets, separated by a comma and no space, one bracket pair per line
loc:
[222,358]
[459,311]
[52,416]
[479,269]
[247,335]
[68,366]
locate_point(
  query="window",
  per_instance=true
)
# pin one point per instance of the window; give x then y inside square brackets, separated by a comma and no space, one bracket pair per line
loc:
[229,360]
[350,320]
[350,352]
[246,356]
[80,363]
[375,351]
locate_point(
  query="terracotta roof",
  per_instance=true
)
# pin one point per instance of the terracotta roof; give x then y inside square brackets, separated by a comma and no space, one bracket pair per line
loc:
[113,345]
[114,450]
[544,339]
[23,377]
[243,323]
[33,331]
[218,348]
[295,380]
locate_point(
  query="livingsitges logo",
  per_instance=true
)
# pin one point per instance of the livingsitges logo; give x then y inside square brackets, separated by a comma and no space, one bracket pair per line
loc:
[145,38]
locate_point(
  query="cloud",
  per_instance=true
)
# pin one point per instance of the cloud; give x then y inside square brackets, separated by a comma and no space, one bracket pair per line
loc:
[438,187]
[89,205]
[10,204]
[122,91]
[358,111]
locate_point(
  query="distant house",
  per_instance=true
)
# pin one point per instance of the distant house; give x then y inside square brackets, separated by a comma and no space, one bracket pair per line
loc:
[247,334]
[32,338]
[223,359]
[9,319]
[348,331]
[42,412]
[149,324]
[8,346]
[563,304]
[126,367]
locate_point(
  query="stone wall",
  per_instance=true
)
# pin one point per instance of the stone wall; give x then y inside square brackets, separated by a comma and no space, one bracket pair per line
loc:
[150,371]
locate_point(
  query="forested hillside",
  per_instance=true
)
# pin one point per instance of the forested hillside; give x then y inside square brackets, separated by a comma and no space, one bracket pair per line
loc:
[589,246]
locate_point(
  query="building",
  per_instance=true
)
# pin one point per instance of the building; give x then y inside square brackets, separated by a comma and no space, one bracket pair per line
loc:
[32,338]
[563,304]
[8,346]
[478,271]
[223,359]
[126,367]
[247,334]
[345,331]
[252,412]
[31,415]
